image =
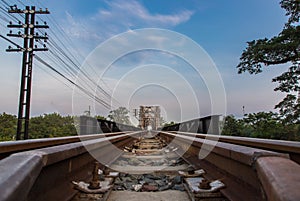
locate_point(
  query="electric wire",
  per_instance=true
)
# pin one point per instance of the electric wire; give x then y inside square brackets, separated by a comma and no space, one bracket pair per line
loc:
[3,10]
[64,59]
[7,39]
[3,25]
[63,34]
[103,103]
[49,73]
[61,31]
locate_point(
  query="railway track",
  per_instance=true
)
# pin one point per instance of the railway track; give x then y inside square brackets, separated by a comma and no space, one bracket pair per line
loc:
[291,148]
[45,169]
[11,147]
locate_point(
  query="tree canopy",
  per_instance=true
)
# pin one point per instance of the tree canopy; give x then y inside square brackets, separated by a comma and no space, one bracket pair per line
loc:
[8,127]
[43,126]
[51,125]
[120,115]
[268,125]
[281,49]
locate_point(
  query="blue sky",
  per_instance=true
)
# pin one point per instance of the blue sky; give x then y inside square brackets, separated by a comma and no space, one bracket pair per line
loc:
[221,28]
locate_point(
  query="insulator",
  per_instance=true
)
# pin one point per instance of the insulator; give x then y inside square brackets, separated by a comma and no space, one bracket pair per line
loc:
[10,31]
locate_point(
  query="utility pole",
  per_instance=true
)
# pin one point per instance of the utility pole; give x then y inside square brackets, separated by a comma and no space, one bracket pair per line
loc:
[28,49]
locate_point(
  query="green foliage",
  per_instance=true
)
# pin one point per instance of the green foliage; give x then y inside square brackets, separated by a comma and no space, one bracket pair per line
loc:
[8,127]
[289,107]
[169,124]
[100,117]
[51,125]
[266,125]
[47,125]
[232,126]
[281,49]
[120,115]
[292,8]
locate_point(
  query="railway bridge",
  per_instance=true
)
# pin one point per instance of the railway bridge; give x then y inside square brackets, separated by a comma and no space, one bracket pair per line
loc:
[188,161]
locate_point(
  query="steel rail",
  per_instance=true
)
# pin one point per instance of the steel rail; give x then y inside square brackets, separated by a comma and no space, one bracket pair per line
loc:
[249,173]
[46,173]
[290,147]
[9,147]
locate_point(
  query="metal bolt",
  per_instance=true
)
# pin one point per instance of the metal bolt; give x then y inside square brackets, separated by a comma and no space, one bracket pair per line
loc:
[95,183]
[106,171]
[204,184]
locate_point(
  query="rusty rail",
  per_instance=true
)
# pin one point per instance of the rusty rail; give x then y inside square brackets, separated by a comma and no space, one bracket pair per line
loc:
[289,147]
[43,174]
[249,173]
[47,166]
[10,147]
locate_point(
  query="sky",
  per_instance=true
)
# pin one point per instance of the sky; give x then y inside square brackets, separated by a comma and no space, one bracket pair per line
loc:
[93,31]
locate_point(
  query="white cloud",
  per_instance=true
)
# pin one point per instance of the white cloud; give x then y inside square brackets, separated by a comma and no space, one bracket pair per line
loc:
[120,16]
[78,29]
[134,10]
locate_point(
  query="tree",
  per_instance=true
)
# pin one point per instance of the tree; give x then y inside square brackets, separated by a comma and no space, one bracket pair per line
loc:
[267,125]
[169,124]
[99,117]
[281,49]
[51,125]
[270,125]
[120,115]
[232,126]
[8,127]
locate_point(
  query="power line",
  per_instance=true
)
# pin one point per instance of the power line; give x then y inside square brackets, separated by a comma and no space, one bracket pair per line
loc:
[2,25]
[67,39]
[43,69]
[9,14]
[4,19]
[66,61]
[58,52]
[7,39]
[5,3]
[106,105]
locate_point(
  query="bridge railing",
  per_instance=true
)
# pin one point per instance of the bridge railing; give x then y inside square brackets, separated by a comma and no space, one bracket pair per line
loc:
[91,125]
[210,124]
